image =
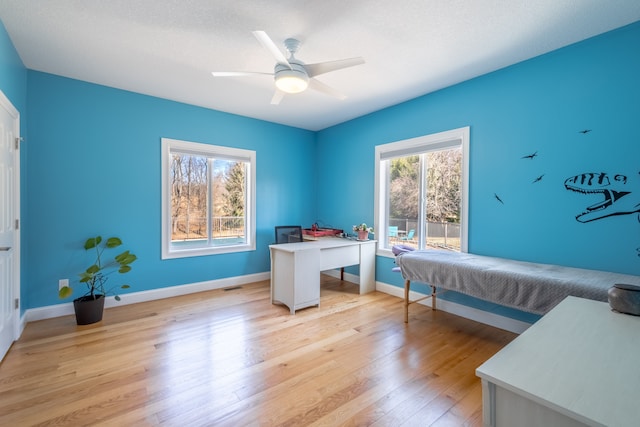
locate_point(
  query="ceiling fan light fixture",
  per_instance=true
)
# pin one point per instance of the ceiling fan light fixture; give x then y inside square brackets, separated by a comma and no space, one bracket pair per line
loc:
[292,75]
[291,81]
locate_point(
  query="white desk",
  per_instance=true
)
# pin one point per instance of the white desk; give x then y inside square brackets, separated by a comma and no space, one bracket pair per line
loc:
[576,366]
[296,267]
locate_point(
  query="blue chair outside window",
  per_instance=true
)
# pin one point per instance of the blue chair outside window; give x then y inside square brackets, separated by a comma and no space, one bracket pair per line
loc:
[409,235]
[393,231]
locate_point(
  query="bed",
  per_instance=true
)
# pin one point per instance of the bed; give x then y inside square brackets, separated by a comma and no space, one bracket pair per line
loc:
[527,286]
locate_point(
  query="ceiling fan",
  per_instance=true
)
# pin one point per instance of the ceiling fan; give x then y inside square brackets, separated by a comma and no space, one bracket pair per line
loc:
[292,75]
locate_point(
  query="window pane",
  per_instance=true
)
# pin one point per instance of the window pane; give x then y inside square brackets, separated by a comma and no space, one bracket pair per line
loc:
[422,192]
[443,186]
[442,190]
[208,199]
[188,198]
[228,195]
[404,192]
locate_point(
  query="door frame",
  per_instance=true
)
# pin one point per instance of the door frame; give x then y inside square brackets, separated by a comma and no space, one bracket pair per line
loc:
[15,114]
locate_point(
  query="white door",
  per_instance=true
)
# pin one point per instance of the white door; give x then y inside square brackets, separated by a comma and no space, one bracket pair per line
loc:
[9,211]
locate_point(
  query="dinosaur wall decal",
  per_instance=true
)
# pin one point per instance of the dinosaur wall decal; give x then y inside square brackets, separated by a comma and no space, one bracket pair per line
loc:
[617,190]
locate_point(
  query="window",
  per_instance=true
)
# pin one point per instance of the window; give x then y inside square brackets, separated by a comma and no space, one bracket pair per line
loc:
[208,199]
[422,192]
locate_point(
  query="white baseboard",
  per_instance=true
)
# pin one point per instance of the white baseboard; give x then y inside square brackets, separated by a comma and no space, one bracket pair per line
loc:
[348,277]
[57,310]
[481,316]
[491,319]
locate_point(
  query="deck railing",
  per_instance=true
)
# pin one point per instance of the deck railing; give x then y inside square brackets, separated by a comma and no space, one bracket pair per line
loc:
[195,228]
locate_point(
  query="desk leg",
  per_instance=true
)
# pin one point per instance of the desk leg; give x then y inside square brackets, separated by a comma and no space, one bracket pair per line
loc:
[488,404]
[272,278]
[367,280]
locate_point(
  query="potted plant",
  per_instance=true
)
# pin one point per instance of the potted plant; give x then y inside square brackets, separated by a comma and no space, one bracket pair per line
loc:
[363,231]
[90,306]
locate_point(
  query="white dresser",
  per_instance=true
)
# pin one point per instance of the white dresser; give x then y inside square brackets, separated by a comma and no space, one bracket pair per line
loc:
[578,365]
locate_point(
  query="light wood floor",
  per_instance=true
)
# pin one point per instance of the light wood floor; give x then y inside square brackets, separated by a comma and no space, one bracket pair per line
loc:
[231,358]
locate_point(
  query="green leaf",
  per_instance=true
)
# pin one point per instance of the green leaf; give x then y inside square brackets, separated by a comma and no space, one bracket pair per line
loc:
[65,292]
[113,242]
[125,258]
[93,269]
[125,287]
[129,259]
[117,297]
[122,256]
[97,274]
[92,242]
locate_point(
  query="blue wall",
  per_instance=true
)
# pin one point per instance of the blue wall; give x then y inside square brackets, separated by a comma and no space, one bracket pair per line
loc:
[92,165]
[540,105]
[94,168]
[13,75]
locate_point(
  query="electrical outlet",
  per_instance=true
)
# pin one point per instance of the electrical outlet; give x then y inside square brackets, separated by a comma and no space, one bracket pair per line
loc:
[62,283]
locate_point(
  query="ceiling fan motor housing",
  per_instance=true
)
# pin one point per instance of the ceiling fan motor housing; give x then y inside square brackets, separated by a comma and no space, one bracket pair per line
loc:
[291,80]
[292,75]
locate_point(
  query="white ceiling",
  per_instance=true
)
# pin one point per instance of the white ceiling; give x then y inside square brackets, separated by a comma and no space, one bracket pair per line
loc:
[168,48]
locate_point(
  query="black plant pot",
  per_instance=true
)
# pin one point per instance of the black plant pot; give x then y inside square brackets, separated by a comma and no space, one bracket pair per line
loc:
[88,310]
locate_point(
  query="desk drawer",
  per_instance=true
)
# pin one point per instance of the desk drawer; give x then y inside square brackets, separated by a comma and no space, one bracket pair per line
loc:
[341,256]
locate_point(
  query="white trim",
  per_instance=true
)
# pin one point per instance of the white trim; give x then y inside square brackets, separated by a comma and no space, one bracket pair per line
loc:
[348,277]
[65,309]
[481,316]
[416,145]
[15,114]
[491,319]
[464,233]
[197,148]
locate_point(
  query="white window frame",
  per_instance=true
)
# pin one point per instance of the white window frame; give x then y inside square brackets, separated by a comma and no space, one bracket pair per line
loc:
[415,146]
[206,150]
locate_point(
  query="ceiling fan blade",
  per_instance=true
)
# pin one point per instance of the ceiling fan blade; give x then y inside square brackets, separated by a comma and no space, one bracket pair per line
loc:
[324,67]
[277,97]
[328,90]
[266,41]
[238,73]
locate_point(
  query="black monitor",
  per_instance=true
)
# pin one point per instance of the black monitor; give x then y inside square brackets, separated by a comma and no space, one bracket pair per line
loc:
[288,233]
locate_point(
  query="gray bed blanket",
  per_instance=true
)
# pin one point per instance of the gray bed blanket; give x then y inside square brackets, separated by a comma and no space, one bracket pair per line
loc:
[532,287]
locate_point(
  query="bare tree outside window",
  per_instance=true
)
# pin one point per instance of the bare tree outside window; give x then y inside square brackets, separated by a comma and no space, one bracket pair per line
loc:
[229,199]
[442,189]
[208,199]
[188,197]
[444,185]
[189,202]
[422,192]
